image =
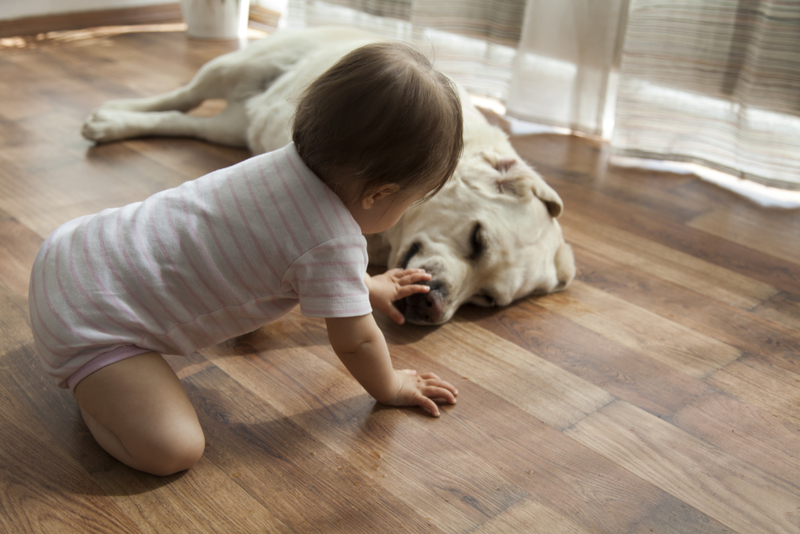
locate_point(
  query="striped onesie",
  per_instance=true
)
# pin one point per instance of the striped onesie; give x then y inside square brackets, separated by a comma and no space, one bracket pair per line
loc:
[193,266]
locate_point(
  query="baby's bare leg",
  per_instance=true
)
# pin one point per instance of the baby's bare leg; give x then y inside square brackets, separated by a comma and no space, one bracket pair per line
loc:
[138,411]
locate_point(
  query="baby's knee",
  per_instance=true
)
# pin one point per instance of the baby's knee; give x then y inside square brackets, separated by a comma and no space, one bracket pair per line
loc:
[180,451]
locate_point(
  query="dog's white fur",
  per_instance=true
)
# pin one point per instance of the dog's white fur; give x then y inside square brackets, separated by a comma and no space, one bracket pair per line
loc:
[489,237]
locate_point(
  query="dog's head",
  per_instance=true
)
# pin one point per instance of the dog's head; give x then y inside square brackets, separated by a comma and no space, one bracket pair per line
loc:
[489,237]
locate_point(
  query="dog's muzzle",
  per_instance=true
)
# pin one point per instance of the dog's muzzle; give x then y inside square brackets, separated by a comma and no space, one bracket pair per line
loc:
[425,308]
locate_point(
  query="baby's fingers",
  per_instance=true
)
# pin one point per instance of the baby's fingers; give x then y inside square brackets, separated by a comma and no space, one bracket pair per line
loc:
[432,379]
[440,393]
[428,405]
[405,291]
[413,278]
[410,276]
[395,315]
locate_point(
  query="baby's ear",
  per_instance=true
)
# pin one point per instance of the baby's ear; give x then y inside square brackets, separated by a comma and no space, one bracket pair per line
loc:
[379,193]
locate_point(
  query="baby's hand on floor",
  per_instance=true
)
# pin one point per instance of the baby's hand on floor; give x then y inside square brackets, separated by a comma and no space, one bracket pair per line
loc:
[422,391]
[395,284]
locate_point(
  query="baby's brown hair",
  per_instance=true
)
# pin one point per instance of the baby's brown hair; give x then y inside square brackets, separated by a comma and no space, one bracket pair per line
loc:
[381,115]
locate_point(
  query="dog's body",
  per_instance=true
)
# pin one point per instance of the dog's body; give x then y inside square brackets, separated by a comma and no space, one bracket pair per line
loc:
[489,237]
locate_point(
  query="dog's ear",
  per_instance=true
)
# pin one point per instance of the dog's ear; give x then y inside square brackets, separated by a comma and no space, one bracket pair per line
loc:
[514,177]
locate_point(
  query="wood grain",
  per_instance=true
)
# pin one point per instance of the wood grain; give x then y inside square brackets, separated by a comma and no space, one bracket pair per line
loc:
[762,384]
[689,469]
[74,21]
[749,229]
[665,263]
[642,331]
[659,393]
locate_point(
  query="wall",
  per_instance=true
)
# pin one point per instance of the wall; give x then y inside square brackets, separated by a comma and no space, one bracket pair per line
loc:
[16,9]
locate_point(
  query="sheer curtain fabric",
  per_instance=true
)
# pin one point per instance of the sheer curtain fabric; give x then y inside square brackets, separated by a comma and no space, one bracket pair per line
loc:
[715,82]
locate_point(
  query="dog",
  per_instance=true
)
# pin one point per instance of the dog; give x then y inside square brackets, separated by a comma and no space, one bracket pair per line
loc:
[489,237]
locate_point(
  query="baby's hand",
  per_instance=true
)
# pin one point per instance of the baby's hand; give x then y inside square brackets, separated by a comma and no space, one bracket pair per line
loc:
[422,391]
[395,284]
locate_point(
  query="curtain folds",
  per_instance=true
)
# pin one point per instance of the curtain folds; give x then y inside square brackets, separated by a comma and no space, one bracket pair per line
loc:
[473,41]
[567,62]
[715,82]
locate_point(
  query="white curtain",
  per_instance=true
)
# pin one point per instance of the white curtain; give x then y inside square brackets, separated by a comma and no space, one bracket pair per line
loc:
[473,41]
[713,82]
[567,64]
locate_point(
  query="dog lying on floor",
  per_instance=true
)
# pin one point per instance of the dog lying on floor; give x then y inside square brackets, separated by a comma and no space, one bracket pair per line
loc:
[488,238]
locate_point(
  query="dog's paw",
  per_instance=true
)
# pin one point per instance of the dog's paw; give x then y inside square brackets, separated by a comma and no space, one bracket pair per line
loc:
[105,125]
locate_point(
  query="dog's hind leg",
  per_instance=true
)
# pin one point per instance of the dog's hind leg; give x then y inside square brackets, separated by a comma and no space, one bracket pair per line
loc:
[229,127]
[182,99]
[232,76]
[205,85]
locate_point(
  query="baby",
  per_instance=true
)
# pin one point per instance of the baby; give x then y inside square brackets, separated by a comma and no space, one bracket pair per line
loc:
[223,255]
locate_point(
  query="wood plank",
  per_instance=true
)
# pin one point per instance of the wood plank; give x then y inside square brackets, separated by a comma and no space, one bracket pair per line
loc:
[769,232]
[691,470]
[17,101]
[737,328]
[516,375]
[652,385]
[640,330]
[51,78]
[533,455]
[783,308]
[18,248]
[82,187]
[532,518]
[664,262]
[204,499]
[531,383]
[297,478]
[186,159]
[158,13]
[640,221]
[773,389]
[31,153]
[746,432]
[334,408]
[536,386]
[42,489]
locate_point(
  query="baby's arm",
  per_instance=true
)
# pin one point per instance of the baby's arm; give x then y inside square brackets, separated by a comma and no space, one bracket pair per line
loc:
[360,345]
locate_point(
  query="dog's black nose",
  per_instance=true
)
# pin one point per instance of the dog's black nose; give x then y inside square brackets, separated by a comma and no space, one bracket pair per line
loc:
[426,308]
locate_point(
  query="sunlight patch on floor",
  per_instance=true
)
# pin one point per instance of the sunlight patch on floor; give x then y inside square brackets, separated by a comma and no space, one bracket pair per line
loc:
[99,34]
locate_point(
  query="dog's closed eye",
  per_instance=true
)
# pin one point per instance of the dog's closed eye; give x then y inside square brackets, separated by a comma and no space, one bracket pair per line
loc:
[488,299]
[483,298]
[476,242]
[410,253]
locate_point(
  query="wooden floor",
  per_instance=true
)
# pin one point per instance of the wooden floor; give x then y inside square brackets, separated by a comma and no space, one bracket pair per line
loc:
[660,393]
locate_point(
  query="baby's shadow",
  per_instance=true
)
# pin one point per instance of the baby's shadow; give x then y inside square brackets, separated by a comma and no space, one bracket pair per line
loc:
[404,334]
[293,331]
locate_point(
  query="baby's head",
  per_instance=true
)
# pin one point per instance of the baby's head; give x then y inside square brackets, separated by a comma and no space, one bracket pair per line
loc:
[381,117]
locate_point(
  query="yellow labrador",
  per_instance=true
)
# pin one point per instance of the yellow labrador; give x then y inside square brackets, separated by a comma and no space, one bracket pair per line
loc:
[489,237]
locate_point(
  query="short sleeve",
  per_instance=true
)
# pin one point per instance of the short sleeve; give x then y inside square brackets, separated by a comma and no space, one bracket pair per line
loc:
[329,279]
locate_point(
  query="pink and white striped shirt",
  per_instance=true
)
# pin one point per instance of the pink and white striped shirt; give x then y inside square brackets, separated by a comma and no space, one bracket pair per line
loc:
[193,266]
